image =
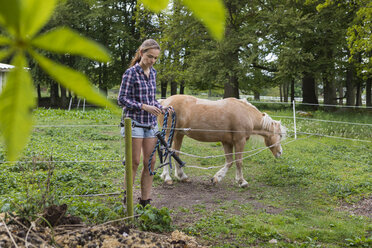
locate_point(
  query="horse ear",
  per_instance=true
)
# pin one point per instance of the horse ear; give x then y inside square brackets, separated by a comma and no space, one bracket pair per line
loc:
[263,114]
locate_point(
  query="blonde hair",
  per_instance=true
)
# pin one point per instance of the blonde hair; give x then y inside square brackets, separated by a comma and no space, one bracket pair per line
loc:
[146,45]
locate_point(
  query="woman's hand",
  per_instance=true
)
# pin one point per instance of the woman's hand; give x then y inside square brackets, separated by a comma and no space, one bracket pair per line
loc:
[152,109]
[170,109]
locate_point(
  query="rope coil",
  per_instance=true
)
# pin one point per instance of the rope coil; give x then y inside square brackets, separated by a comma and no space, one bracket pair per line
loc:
[164,147]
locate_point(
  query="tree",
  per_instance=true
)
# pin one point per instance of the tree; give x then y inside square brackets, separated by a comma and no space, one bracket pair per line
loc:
[357,19]
[204,63]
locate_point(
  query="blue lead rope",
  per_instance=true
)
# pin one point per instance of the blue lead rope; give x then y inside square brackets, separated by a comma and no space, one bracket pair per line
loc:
[161,136]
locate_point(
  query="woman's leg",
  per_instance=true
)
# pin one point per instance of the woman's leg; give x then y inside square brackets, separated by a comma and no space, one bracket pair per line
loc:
[148,146]
[136,155]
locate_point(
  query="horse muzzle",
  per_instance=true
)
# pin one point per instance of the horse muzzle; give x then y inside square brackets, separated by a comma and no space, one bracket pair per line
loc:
[279,153]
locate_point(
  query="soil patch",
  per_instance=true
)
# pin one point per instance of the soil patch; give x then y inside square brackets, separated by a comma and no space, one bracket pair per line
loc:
[199,191]
[363,207]
[103,236]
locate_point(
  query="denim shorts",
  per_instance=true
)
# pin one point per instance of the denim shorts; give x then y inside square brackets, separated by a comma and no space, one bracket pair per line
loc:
[139,132]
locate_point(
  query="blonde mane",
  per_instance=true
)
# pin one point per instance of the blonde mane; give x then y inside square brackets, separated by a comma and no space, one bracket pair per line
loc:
[267,122]
[248,103]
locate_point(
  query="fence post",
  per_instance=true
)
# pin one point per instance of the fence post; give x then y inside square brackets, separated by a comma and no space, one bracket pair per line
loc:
[69,106]
[294,119]
[128,165]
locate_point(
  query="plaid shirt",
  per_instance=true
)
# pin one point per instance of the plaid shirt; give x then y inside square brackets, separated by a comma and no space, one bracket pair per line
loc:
[137,89]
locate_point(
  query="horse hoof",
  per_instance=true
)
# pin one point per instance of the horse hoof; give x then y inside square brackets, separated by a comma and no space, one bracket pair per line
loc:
[214,181]
[244,185]
[169,182]
[185,180]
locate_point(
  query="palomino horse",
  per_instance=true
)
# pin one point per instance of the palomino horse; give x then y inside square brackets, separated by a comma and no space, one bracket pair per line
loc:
[230,121]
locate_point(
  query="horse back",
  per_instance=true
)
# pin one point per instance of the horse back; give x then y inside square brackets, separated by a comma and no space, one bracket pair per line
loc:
[216,118]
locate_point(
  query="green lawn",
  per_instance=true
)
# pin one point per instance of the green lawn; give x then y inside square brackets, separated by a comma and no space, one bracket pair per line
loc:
[311,181]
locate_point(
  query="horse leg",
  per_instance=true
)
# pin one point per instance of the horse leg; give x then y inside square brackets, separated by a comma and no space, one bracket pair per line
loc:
[165,175]
[228,148]
[239,148]
[179,173]
[177,142]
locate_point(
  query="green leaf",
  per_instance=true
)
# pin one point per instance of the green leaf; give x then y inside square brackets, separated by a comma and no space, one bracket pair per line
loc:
[74,81]
[65,40]
[10,15]
[211,13]
[4,40]
[4,53]
[155,5]
[34,15]
[17,101]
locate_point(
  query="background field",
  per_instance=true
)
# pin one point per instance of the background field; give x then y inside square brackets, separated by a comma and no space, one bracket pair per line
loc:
[318,194]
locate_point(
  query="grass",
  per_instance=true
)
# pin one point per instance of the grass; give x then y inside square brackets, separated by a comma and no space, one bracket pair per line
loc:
[306,185]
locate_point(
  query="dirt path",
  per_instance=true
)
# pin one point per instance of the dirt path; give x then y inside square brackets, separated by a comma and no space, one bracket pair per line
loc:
[200,191]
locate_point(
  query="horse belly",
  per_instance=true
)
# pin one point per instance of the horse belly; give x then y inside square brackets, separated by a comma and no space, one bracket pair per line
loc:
[206,136]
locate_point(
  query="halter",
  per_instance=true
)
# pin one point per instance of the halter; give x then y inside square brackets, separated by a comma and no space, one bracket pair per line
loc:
[164,147]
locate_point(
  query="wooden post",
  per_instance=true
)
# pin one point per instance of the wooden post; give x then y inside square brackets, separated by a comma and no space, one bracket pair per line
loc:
[128,165]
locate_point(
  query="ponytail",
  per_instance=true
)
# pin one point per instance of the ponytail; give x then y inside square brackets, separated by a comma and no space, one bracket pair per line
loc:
[136,59]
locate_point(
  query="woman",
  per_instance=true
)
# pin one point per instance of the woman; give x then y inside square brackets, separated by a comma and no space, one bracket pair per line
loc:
[137,95]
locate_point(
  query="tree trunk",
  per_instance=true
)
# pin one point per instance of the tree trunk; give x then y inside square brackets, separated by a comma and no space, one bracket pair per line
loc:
[231,58]
[369,92]
[182,87]
[64,101]
[163,88]
[292,90]
[281,92]
[173,88]
[358,95]
[102,77]
[341,95]
[39,93]
[359,84]
[285,92]
[329,92]
[350,89]
[308,90]
[231,87]
[256,95]
[54,94]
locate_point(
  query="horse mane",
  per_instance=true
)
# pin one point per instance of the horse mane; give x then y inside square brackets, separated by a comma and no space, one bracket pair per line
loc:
[266,125]
[244,100]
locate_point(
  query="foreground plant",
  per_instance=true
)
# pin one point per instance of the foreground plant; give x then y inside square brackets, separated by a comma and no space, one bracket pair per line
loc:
[153,219]
[22,20]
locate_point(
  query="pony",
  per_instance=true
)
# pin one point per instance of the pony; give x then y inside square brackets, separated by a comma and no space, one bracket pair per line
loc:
[230,121]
